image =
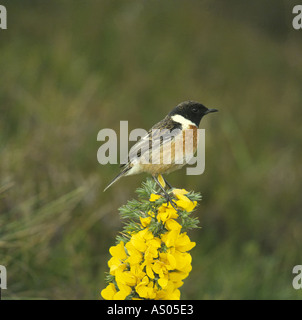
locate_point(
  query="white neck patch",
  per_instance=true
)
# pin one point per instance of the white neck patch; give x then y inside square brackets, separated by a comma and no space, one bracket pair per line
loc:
[183,121]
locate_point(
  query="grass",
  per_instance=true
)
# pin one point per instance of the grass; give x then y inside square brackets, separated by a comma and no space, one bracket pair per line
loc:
[69,69]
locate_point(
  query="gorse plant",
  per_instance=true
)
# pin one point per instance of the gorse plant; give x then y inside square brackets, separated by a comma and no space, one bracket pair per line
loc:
[151,258]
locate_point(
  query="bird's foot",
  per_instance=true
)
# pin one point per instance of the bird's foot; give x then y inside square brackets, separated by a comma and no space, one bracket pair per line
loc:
[169,199]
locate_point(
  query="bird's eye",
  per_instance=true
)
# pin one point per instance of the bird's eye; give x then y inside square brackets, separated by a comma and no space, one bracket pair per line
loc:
[195,110]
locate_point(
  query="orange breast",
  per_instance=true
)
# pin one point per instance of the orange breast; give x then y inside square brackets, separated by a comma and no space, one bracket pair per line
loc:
[187,141]
[193,135]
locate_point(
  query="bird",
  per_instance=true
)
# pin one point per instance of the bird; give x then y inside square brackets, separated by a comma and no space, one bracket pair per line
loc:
[150,152]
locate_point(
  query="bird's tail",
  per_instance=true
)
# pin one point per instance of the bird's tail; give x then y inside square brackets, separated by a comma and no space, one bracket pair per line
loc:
[121,174]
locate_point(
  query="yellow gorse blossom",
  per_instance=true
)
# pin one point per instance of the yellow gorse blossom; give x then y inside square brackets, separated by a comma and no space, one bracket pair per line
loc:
[153,261]
[183,201]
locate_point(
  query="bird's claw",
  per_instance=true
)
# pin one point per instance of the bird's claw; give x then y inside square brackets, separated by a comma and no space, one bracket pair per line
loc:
[169,199]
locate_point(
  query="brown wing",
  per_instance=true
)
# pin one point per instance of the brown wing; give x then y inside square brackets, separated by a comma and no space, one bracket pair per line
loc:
[156,137]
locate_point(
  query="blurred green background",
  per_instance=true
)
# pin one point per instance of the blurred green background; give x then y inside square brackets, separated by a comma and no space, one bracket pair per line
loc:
[72,68]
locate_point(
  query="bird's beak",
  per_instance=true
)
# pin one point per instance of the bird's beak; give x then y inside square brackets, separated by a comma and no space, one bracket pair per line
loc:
[211,110]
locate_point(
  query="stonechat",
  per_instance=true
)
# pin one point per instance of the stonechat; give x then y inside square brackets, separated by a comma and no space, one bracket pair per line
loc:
[168,146]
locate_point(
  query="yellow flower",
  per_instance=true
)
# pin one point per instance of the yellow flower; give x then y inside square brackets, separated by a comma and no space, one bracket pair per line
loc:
[118,251]
[170,237]
[115,264]
[163,281]
[125,277]
[145,221]
[123,293]
[152,264]
[175,239]
[169,293]
[118,256]
[148,264]
[154,197]
[183,260]
[176,277]
[165,212]
[137,271]
[109,292]
[139,239]
[151,214]
[150,254]
[168,259]
[184,202]
[152,246]
[162,267]
[125,280]
[145,289]
[183,243]
[171,224]
[135,256]
[179,192]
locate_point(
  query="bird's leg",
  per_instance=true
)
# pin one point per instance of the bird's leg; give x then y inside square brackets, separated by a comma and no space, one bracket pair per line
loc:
[168,184]
[165,192]
[170,187]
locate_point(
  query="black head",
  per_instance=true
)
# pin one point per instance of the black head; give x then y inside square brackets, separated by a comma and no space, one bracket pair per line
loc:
[192,111]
